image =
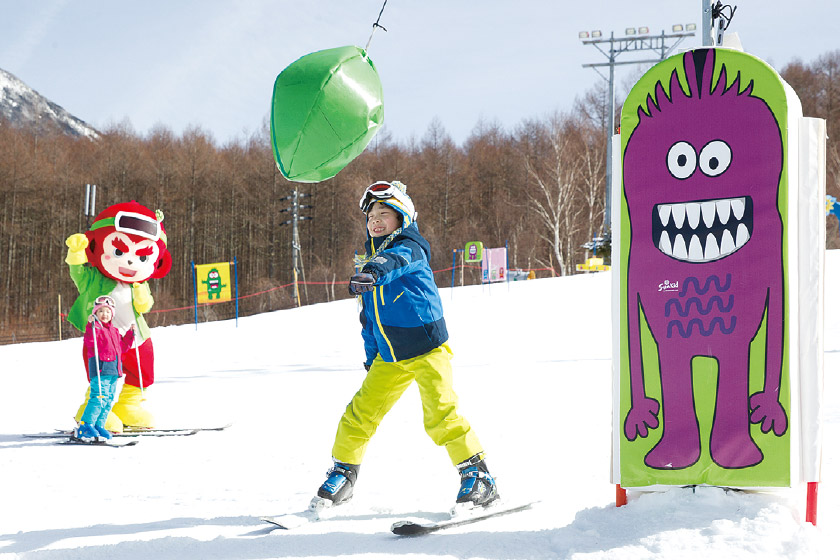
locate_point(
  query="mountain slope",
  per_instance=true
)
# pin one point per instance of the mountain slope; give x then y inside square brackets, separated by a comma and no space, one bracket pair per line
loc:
[24,107]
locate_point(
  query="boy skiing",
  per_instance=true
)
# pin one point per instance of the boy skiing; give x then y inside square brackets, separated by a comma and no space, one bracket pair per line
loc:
[104,344]
[405,340]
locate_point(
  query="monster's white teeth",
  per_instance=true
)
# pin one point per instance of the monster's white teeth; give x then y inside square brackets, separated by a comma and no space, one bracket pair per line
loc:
[743,235]
[708,209]
[712,250]
[727,244]
[678,211]
[692,211]
[664,213]
[738,208]
[680,251]
[723,209]
[722,233]
[695,249]
[665,243]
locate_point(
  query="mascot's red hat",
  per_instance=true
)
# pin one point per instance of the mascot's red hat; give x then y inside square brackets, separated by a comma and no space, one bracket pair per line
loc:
[136,221]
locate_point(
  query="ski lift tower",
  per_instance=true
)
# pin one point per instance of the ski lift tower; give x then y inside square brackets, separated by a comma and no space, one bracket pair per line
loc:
[635,40]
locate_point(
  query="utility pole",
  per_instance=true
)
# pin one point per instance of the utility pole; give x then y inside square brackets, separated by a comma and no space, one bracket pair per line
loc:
[295,209]
[635,39]
[712,34]
[706,36]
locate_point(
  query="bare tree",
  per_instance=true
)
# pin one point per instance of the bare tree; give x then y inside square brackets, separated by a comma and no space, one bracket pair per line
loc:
[553,180]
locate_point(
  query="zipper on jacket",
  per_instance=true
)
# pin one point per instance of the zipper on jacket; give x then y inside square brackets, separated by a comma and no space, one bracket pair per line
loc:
[378,322]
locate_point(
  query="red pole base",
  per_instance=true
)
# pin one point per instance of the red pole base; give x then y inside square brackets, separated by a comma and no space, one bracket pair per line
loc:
[620,496]
[811,505]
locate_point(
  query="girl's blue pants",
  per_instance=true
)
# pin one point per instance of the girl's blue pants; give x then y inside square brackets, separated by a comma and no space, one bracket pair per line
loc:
[102,390]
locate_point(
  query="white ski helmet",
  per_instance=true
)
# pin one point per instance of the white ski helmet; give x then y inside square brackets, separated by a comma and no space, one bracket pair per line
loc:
[394,195]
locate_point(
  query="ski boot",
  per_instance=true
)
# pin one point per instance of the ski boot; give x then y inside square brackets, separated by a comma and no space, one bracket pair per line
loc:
[338,488]
[112,423]
[103,435]
[85,432]
[478,489]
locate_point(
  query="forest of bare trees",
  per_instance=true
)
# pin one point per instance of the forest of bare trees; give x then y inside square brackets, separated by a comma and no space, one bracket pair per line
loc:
[539,188]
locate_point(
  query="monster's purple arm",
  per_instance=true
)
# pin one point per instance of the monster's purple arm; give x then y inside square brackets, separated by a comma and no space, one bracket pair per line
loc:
[643,410]
[765,406]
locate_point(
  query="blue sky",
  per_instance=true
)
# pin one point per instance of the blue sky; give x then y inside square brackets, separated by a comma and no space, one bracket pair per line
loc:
[212,63]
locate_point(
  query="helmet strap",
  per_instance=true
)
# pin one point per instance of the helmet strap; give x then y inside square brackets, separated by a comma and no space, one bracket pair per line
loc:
[361,261]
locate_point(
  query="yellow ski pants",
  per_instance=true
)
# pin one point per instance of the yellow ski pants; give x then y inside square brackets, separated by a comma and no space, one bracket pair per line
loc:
[384,385]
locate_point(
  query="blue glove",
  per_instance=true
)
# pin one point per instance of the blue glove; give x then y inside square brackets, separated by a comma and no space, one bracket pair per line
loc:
[362,282]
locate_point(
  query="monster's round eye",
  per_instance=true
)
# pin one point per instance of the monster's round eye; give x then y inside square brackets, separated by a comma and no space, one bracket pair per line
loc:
[118,253]
[682,160]
[715,158]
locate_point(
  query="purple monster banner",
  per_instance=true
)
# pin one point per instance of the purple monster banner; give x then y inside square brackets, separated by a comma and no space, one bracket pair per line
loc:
[708,345]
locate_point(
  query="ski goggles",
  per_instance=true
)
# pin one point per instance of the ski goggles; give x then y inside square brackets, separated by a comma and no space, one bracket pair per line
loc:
[131,222]
[104,300]
[383,190]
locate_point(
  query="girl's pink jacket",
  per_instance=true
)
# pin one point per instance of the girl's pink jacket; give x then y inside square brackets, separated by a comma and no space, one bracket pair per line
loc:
[110,345]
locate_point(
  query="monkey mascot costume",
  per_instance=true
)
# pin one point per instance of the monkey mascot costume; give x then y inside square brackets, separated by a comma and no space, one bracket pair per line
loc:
[122,250]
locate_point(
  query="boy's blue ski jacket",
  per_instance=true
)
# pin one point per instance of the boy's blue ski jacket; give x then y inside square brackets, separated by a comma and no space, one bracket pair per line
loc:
[402,317]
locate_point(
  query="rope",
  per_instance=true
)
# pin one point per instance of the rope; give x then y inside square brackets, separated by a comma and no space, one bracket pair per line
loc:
[375,25]
[309,283]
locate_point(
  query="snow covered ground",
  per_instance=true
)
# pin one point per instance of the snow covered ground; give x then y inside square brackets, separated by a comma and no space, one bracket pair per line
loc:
[532,370]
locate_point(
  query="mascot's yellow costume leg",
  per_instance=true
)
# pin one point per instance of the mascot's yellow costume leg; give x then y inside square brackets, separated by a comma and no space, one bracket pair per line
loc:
[113,424]
[129,409]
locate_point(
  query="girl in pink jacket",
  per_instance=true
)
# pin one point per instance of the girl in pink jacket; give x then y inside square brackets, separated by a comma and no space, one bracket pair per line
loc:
[104,345]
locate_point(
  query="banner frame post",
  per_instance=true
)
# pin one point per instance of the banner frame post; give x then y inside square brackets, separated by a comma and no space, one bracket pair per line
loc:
[195,293]
[620,496]
[811,504]
[454,254]
[59,316]
[507,265]
[236,291]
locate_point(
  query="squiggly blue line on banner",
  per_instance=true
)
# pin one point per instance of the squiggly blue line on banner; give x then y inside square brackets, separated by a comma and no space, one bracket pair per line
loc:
[713,278]
[674,302]
[689,330]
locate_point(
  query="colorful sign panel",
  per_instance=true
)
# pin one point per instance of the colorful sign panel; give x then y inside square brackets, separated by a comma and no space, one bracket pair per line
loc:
[213,282]
[494,265]
[473,251]
[704,385]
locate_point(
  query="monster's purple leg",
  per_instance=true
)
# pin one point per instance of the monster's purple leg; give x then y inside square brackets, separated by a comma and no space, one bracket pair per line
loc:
[731,445]
[680,444]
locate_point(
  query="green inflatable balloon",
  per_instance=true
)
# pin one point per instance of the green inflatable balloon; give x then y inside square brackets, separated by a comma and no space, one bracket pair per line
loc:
[326,107]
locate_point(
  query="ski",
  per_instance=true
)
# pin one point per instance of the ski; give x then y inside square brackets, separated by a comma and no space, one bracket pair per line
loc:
[111,443]
[412,528]
[319,510]
[291,520]
[134,431]
[59,434]
[139,430]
